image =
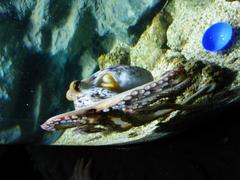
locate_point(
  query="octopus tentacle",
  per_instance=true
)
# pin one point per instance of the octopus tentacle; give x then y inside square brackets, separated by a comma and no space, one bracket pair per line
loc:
[166,93]
[161,109]
[169,85]
[81,117]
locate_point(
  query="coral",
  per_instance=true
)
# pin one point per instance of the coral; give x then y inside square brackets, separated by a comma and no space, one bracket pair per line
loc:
[145,52]
[150,45]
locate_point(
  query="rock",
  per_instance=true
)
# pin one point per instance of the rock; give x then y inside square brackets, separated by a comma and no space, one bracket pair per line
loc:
[49,31]
[16,9]
[72,137]
[5,66]
[145,53]
[150,45]
[50,137]
[11,135]
[11,53]
[54,26]
[88,63]
[118,55]
[118,17]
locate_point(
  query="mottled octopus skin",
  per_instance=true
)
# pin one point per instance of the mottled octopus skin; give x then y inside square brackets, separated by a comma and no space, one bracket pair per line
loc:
[127,77]
[125,105]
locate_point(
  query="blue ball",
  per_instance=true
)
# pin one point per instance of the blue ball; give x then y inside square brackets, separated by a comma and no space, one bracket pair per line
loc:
[217,37]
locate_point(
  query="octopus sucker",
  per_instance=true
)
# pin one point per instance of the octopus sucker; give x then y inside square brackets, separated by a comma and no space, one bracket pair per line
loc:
[147,87]
[121,97]
[106,110]
[146,93]
[134,93]
[127,98]
[153,85]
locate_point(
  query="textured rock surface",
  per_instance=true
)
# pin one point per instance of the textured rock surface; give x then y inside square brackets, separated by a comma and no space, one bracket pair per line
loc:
[150,45]
[118,55]
[120,17]
[11,53]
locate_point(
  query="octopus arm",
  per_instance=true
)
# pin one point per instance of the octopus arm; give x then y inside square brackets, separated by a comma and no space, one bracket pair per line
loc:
[171,82]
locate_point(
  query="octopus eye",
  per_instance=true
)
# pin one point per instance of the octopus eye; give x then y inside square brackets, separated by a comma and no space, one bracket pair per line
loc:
[73,91]
[75,85]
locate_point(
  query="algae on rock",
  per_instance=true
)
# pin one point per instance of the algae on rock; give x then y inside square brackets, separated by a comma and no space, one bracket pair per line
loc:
[118,55]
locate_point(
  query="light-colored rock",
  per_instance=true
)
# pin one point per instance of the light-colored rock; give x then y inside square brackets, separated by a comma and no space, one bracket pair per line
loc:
[17,9]
[11,53]
[88,63]
[52,32]
[38,19]
[72,137]
[145,53]
[118,17]
[149,46]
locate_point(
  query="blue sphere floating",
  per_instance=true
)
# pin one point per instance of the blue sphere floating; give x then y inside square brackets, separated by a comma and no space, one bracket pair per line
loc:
[217,37]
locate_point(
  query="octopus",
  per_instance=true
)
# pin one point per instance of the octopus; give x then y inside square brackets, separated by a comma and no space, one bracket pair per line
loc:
[121,97]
